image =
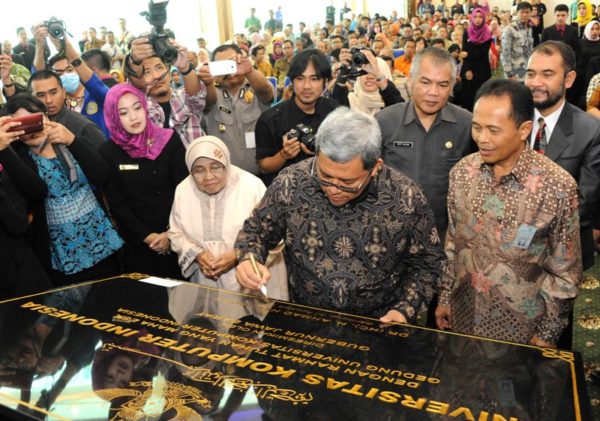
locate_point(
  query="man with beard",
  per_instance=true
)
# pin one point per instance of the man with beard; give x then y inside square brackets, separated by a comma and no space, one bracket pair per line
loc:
[565,134]
[570,137]
[309,72]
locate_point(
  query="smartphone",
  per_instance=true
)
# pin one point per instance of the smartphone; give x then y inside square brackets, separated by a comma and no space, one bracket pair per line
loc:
[222,67]
[31,123]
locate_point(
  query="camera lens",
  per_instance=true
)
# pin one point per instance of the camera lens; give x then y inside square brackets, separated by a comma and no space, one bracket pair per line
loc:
[164,50]
[56,28]
[359,59]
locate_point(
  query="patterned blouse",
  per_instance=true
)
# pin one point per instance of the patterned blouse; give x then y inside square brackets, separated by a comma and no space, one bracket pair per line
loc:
[379,252]
[81,234]
[514,257]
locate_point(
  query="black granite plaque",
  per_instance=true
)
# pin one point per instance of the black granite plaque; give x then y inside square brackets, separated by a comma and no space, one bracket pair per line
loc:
[126,348]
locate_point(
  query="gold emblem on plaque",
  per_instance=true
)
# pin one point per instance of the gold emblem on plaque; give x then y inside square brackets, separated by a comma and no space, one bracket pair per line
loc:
[178,397]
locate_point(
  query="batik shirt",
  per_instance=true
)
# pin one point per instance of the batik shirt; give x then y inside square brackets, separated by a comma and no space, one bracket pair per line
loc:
[379,252]
[514,257]
[517,45]
[80,232]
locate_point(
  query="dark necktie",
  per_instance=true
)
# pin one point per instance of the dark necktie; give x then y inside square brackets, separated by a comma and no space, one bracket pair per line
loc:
[539,145]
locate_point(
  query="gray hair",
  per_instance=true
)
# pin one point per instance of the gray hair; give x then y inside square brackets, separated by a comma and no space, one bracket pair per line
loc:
[346,134]
[438,56]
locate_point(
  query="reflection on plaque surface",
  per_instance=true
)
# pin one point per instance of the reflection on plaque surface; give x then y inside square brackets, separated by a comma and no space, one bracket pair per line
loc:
[127,349]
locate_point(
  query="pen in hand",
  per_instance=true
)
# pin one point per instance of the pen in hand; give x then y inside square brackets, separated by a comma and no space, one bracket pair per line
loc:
[257,271]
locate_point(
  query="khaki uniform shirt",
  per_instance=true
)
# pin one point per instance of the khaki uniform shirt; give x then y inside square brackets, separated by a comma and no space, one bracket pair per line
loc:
[232,119]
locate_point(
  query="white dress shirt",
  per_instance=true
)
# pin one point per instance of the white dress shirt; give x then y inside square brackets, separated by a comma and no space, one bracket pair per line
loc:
[550,121]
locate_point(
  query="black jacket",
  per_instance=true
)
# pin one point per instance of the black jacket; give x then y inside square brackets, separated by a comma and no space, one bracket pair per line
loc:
[139,191]
[575,146]
[570,36]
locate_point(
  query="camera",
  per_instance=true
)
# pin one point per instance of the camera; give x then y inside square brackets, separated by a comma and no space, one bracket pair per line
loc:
[356,62]
[159,38]
[56,28]
[304,134]
[358,57]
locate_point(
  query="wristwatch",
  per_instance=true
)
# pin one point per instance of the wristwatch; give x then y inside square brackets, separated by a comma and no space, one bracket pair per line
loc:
[77,62]
[9,85]
[189,70]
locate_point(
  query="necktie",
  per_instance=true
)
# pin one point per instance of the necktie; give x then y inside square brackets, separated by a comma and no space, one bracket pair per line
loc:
[539,144]
[561,30]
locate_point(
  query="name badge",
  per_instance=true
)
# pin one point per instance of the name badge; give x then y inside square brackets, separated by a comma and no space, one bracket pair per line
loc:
[250,140]
[525,234]
[225,110]
[404,144]
[129,167]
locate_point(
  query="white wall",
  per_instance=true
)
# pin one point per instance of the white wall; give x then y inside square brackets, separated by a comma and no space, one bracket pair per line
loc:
[183,16]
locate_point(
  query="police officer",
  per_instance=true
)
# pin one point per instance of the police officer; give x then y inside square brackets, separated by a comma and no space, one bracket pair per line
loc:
[241,99]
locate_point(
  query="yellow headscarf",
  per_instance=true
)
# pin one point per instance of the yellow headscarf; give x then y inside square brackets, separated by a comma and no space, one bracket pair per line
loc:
[582,21]
[120,77]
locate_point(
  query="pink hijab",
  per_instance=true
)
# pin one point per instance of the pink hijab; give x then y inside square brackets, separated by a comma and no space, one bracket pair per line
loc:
[478,34]
[148,144]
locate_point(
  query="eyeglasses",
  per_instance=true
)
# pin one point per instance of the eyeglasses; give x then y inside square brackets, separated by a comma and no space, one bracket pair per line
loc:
[314,174]
[201,172]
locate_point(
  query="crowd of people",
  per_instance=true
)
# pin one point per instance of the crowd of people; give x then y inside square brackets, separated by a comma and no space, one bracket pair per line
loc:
[376,166]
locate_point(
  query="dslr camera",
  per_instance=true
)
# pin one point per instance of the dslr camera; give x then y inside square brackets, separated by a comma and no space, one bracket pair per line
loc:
[159,38]
[304,134]
[358,57]
[358,60]
[56,28]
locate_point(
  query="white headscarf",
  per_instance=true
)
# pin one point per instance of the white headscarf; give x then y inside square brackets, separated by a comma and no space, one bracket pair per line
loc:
[208,147]
[587,32]
[369,102]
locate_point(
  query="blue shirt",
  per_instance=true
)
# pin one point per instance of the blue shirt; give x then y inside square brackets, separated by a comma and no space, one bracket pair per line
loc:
[81,234]
[93,102]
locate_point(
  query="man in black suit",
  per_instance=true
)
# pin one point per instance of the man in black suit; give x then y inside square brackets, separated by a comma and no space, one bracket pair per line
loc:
[569,136]
[560,31]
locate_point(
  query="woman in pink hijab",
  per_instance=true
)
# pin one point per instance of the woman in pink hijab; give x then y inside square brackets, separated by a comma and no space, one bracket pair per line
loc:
[146,164]
[475,69]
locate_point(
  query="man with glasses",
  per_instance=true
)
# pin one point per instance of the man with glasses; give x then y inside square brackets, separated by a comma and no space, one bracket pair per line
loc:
[359,236]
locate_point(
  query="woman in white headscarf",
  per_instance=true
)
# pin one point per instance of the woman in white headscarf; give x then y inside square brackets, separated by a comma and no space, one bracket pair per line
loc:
[589,48]
[372,91]
[209,210]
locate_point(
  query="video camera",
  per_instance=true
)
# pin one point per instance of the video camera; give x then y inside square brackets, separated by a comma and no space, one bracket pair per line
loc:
[159,38]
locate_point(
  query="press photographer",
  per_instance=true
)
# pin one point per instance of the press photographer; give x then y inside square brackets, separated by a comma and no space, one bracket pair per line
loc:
[275,148]
[148,66]
[84,89]
[373,89]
